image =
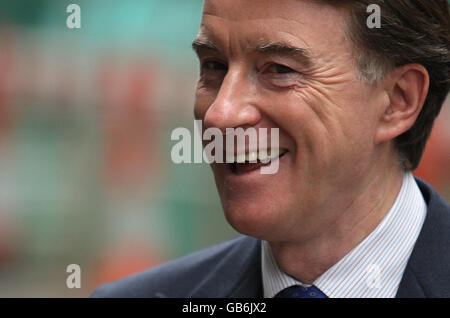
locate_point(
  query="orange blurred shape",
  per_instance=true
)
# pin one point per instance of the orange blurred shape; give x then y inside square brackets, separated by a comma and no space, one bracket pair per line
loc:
[8,239]
[6,71]
[131,135]
[435,164]
[123,261]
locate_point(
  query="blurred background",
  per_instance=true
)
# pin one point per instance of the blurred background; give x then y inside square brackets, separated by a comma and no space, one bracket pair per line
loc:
[85,122]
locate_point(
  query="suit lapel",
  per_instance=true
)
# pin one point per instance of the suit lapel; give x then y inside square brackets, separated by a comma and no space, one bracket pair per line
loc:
[250,283]
[427,273]
[237,274]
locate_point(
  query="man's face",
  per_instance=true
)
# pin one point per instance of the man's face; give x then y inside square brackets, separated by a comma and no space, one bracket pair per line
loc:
[287,64]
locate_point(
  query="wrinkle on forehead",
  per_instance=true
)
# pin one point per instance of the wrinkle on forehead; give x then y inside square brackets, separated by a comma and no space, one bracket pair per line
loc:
[247,35]
[250,33]
[294,19]
[235,10]
[289,10]
[208,34]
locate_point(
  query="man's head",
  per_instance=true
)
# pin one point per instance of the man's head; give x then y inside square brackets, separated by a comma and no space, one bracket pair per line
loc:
[345,99]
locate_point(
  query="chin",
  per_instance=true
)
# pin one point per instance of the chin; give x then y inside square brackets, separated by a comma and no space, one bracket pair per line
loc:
[256,220]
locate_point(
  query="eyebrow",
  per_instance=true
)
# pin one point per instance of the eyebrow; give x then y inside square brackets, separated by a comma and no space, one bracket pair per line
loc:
[303,55]
[201,44]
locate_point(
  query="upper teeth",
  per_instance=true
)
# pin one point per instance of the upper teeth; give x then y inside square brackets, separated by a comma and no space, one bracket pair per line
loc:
[264,156]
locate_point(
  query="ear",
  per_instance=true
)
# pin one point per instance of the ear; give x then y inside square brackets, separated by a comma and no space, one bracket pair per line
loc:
[407,88]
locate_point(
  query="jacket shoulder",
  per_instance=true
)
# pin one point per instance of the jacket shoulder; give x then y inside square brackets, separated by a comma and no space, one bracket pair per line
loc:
[427,272]
[180,277]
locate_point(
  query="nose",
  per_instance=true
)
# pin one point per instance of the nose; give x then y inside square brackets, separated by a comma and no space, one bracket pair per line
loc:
[235,103]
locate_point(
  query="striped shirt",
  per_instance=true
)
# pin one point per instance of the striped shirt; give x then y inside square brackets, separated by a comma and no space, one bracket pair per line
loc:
[374,268]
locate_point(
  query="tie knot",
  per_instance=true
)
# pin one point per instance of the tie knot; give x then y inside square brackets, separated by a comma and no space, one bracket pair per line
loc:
[301,292]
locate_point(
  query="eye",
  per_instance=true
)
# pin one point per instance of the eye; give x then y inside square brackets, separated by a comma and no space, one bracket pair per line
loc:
[279,69]
[212,66]
[280,75]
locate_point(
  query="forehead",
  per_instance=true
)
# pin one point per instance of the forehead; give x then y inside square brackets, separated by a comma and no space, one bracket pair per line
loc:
[304,23]
[250,9]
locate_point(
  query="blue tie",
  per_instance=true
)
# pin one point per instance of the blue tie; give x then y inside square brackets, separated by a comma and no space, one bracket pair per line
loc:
[301,292]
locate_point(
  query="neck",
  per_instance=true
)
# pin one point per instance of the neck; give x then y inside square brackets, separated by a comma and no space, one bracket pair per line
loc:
[306,261]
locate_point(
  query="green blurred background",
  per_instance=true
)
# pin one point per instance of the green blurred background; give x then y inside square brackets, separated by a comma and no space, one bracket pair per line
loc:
[85,122]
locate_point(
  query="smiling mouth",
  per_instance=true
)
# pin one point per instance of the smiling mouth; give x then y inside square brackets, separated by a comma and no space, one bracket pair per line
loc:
[250,161]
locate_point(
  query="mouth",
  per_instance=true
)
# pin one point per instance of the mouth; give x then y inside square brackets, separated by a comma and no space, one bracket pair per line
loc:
[254,160]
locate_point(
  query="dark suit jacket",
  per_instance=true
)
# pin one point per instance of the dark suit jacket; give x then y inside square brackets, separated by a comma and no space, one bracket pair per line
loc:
[233,268]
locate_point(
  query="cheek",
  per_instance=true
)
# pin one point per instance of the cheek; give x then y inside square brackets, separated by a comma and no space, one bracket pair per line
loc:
[308,119]
[330,127]
[340,133]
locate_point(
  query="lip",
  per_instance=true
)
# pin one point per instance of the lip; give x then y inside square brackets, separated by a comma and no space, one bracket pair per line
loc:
[253,176]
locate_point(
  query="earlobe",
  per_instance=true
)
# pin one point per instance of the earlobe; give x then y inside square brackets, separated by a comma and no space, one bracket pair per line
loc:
[407,90]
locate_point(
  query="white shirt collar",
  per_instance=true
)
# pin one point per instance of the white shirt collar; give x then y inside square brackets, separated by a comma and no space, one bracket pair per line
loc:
[374,268]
